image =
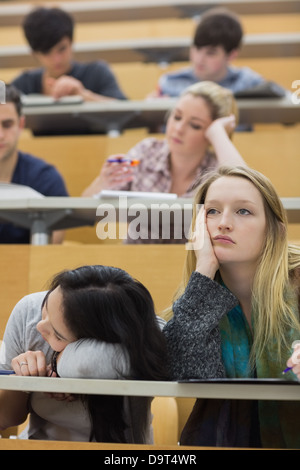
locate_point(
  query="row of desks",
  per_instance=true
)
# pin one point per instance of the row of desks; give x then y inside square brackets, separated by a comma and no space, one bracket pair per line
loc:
[157,50]
[112,117]
[239,389]
[42,216]
[134,10]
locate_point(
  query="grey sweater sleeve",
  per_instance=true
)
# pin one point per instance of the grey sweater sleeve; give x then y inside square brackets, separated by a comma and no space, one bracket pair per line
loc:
[193,336]
[93,359]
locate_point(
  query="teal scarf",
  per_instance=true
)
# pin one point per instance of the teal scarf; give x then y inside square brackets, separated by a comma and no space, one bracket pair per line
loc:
[279,420]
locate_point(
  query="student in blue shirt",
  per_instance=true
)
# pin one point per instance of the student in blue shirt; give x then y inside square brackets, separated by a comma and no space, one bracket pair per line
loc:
[216,43]
[22,168]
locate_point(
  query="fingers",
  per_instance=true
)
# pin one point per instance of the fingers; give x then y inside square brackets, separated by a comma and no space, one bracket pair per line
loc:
[65,86]
[31,363]
[206,261]
[68,397]
[116,174]
[215,128]
[198,235]
[294,360]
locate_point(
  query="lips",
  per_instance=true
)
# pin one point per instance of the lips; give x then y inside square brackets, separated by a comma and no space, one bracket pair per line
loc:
[224,239]
[176,140]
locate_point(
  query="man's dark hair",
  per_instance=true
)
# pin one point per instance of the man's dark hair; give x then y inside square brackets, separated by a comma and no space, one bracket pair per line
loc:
[12,95]
[219,27]
[45,27]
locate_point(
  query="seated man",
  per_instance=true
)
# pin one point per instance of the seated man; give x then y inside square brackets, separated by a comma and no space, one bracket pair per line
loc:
[216,44]
[49,32]
[21,168]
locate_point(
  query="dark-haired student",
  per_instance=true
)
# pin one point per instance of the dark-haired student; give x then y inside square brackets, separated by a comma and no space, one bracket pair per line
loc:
[216,44]
[49,32]
[21,168]
[93,322]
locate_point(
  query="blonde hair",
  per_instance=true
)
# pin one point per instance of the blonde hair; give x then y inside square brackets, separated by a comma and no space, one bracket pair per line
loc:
[275,282]
[219,99]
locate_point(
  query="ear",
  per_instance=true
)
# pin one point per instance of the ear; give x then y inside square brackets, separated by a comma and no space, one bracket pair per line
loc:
[21,122]
[233,55]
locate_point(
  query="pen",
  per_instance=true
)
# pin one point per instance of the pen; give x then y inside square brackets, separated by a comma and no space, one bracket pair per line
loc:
[7,372]
[121,160]
[286,370]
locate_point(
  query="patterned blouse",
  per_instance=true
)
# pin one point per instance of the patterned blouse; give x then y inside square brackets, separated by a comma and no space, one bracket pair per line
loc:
[153,174]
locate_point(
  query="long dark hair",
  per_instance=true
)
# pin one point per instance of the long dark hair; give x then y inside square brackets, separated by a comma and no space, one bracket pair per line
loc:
[105,303]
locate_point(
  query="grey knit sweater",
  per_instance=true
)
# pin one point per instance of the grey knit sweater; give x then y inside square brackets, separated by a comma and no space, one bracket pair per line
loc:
[193,337]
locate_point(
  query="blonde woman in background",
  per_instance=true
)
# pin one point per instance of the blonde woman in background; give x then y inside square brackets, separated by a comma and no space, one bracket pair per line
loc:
[198,138]
[236,314]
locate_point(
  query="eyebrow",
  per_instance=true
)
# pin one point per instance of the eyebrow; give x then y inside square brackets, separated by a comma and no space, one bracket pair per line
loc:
[7,121]
[240,201]
[192,117]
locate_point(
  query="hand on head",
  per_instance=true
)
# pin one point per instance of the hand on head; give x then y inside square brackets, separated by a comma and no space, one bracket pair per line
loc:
[206,261]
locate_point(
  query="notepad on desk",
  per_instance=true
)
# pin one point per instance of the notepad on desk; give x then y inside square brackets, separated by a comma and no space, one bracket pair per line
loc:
[108,194]
[18,191]
[45,100]
[266,89]
[246,381]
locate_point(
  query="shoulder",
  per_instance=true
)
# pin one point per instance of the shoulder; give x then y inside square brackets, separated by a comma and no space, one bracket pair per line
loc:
[21,333]
[27,159]
[29,81]
[39,174]
[32,301]
[241,78]
[34,167]
[27,311]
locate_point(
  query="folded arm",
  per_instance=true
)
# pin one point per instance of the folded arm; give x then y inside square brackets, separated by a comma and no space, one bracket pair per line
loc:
[193,337]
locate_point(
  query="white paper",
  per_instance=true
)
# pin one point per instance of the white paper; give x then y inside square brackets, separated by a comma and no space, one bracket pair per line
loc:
[108,193]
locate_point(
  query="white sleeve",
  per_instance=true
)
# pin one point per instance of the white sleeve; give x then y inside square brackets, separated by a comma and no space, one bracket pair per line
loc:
[92,359]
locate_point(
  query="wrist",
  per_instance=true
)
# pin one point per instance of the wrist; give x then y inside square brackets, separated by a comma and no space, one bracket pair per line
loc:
[87,95]
[216,132]
[207,269]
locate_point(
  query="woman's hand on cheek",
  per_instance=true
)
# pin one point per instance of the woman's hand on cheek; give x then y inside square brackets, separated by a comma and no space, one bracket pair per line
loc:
[31,363]
[206,261]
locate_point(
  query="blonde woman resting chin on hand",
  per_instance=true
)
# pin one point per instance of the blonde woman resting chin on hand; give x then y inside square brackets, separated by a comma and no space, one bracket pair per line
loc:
[236,314]
[197,138]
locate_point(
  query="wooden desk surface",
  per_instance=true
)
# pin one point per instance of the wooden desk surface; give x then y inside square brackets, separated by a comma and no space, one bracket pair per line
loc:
[156,50]
[115,116]
[121,10]
[23,444]
[251,390]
